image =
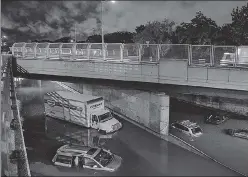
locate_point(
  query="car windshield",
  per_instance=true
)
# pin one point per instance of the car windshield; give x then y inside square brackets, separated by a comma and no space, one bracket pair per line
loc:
[196,130]
[64,159]
[104,117]
[103,157]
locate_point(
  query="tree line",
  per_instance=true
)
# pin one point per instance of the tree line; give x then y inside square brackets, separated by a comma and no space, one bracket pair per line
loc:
[201,30]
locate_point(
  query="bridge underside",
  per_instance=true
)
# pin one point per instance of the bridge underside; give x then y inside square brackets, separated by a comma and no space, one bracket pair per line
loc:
[174,72]
[224,89]
[221,99]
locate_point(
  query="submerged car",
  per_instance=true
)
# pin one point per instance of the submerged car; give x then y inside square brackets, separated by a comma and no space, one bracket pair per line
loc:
[240,133]
[88,157]
[188,128]
[216,119]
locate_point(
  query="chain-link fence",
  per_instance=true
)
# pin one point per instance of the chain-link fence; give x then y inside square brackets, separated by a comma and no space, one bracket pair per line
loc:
[17,162]
[149,52]
[29,50]
[201,55]
[42,50]
[96,51]
[114,52]
[174,51]
[17,49]
[82,51]
[131,52]
[242,59]
[54,50]
[224,55]
[67,51]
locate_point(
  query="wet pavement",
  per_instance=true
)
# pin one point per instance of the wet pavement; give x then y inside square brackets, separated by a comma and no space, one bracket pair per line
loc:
[231,151]
[142,152]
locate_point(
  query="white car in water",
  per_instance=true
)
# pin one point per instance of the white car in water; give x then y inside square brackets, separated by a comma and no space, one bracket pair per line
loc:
[188,128]
[88,157]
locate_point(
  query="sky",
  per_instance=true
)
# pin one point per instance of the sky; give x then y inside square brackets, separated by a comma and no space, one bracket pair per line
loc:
[24,20]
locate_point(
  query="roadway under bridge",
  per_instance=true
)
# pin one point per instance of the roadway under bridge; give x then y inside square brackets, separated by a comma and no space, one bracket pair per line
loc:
[149,156]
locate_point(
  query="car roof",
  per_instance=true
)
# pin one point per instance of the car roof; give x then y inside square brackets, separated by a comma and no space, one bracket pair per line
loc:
[77,149]
[188,124]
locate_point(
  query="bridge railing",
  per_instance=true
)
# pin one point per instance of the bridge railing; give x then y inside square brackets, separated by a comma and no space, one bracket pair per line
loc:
[131,52]
[224,55]
[242,56]
[15,158]
[203,55]
[174,51]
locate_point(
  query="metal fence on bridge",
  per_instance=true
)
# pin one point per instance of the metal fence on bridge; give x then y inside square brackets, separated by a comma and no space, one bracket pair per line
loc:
[203,55]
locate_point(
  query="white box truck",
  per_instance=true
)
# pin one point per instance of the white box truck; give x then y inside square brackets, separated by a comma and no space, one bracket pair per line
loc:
[80,109]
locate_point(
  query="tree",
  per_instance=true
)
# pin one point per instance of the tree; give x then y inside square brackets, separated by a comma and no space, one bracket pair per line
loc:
[225,36]
[140,28]
[116,37]
[201,30]
[63,40]
[239,25]
[96,38]
[119,37]
[155,32]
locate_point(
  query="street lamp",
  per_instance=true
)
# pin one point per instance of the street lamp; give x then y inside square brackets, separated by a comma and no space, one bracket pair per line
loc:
[102,27]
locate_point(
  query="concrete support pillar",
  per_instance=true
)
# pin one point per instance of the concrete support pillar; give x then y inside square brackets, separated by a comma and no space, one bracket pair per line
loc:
[87,89]
[164,101]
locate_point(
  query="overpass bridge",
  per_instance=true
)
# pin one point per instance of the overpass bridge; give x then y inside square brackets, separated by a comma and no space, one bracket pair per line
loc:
[206,75]
[220,67]
[213,76]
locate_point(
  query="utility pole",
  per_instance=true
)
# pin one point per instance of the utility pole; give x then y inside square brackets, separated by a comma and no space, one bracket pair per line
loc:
[103,52]
[75,33]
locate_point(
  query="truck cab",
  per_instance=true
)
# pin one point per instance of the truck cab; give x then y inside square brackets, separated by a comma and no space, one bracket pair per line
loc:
[104,121]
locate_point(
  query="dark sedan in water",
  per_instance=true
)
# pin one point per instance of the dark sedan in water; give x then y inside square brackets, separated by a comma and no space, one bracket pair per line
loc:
[240,133]
[216,119]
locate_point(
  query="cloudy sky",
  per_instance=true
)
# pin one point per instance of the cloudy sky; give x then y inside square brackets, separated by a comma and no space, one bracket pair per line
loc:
[53,19]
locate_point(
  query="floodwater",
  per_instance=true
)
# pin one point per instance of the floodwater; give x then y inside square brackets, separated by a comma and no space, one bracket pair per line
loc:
[143,154]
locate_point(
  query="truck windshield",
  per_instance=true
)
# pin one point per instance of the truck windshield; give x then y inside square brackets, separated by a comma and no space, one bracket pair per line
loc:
[104,158]
[104,117]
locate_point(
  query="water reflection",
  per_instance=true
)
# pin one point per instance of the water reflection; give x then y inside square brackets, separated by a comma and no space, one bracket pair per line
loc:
[74,134]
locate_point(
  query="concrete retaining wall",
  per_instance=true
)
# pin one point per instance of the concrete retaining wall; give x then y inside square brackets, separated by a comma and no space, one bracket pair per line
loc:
[235,106]
[146,108]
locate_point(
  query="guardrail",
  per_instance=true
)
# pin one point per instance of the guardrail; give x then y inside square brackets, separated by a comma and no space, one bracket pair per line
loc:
[17,161]
[203,55]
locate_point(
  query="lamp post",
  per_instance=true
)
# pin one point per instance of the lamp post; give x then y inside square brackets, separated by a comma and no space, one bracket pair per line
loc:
[102,32]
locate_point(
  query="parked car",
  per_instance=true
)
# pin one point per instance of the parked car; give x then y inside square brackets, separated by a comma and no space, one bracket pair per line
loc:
[240,133]
[188,128]
[88,157]
[216,119]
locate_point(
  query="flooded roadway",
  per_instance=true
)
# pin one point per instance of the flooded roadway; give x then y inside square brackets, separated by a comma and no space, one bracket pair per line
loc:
[142,152]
